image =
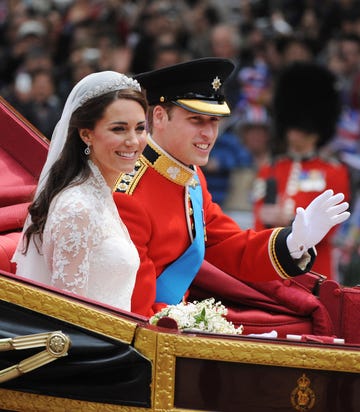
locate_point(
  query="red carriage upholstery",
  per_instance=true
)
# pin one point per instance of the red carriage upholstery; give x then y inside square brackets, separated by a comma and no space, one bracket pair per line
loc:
[24,144]
[287,306]
[23,151]
[12,217]
[17,183]
[343,305]
[17,186]
[8,245]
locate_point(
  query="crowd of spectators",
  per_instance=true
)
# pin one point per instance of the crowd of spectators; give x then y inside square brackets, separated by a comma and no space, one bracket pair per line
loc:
[46,46]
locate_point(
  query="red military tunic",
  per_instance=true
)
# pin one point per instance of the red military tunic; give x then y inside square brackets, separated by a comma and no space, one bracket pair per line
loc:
[153,203]
[298,183]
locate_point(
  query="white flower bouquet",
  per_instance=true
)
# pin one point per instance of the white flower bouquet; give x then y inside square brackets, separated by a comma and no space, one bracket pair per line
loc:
[206,315]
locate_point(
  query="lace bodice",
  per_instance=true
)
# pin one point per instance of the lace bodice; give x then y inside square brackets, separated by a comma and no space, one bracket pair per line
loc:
[86,247]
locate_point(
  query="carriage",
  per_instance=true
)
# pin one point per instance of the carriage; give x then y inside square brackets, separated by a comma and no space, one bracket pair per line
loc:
[61,352]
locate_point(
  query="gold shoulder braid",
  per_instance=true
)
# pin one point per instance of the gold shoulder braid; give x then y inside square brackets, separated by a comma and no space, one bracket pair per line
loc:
[126,182]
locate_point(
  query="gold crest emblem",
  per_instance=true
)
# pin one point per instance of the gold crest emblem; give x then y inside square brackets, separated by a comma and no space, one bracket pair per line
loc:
[216,83]
[303,397]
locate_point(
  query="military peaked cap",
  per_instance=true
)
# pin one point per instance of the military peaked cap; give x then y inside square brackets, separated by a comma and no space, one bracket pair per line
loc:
[195,85]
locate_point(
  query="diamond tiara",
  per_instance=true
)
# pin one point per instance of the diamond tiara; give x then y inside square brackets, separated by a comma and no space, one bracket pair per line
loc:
[120,83]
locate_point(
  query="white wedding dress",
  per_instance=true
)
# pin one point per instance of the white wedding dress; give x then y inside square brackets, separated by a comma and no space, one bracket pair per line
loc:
[86,247]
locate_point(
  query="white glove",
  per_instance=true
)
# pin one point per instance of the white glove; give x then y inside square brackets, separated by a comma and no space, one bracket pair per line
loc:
[312,224]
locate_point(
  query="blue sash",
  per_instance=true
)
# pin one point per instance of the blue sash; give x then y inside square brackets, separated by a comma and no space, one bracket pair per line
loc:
[174,281]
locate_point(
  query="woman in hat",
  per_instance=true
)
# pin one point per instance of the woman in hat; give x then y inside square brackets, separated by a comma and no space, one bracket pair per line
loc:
[306,109]
[73,238]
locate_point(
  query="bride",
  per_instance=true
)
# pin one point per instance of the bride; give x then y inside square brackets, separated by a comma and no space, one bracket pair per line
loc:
[73,238]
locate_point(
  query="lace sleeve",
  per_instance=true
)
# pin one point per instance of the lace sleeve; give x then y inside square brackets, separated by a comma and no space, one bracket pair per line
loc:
[68,239]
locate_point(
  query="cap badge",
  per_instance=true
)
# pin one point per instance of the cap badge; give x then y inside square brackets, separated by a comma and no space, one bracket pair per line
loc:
[216,83]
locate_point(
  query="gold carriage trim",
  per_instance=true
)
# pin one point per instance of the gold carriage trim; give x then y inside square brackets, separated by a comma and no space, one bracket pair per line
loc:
[272,254]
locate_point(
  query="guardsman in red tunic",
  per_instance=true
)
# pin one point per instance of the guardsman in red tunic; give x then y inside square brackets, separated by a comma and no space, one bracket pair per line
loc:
[306,108]
[169,211]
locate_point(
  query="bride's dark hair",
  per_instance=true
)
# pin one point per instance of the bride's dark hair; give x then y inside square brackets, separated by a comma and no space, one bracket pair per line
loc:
[71,168]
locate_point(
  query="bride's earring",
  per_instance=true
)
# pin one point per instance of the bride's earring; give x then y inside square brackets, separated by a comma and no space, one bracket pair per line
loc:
[87,150]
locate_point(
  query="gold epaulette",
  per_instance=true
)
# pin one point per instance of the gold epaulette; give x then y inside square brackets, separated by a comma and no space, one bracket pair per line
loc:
[127,182]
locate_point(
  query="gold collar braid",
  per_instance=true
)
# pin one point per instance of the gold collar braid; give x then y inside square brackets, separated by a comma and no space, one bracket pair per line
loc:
[166,165]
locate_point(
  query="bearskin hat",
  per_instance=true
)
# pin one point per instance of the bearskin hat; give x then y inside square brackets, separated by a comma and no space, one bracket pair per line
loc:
[306,97]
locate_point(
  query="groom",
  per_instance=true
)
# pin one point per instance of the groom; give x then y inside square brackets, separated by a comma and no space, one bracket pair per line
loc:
[169,212]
